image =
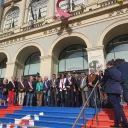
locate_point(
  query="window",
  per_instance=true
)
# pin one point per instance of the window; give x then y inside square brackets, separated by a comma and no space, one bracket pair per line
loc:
[65,5]
[38,10]
[117,48]
[3,68]
[73,58]
[11,19]
[32,64]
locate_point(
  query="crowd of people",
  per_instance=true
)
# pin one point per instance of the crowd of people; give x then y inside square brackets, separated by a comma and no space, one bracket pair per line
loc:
[61,90]
[71,90]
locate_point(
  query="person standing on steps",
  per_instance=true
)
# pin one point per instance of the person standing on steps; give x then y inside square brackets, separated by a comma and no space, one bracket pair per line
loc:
[122,66]
[21,90]
[92,80]
[53,90]
[84,88]
[5,91]
[111,82]
[12,91]
[63,91]
[39,91]
[46,92]
[78,91]
[70,90]
[30,91]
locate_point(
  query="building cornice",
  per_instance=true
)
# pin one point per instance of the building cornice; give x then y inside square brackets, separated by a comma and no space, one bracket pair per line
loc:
[95,48]
[59,27]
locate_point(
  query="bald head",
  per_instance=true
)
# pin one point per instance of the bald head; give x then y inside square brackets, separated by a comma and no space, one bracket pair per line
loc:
[92,71]
[45,78]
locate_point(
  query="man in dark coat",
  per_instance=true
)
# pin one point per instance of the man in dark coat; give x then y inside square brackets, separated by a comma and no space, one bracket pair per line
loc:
[123,68]
[70,90]
[111,82]
[30,91]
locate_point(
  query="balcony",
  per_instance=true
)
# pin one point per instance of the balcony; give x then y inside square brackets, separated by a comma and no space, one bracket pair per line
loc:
[79,11]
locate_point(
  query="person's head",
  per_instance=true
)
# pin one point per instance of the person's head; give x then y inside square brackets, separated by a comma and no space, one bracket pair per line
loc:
[118,61]
[37,78]
[69,74]
[31,78]
[63,76]
[22,78]
[101,73]
[76,75]
[92,71]
[5,81]
[54,76]
[83,74]
[45,78]
[40,79]
[111,64]
[13,78]
[58,76]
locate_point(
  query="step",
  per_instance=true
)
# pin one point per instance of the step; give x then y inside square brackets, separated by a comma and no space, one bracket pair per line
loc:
[19,126]
[102,122]
[53,124]
[18,115]
[60,113]
[51,118]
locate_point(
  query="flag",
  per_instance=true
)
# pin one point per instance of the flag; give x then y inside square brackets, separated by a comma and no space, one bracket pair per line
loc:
[39,15]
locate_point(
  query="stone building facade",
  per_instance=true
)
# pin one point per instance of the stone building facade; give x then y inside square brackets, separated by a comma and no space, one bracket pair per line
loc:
[96,32]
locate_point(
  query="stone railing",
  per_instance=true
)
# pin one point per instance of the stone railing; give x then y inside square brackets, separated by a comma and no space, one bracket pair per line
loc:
[5,34]
[33,25]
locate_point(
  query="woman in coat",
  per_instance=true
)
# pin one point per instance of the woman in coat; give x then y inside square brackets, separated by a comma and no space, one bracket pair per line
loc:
[39,91]
[111,82]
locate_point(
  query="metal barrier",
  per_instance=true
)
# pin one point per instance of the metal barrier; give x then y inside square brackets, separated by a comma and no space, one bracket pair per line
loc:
[84,110]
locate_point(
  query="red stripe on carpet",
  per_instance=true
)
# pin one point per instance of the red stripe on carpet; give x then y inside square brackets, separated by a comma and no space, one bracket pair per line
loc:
[9,110]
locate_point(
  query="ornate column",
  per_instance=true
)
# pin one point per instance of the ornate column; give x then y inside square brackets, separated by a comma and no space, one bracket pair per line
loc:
[51,10]
[22,12]
[96,58]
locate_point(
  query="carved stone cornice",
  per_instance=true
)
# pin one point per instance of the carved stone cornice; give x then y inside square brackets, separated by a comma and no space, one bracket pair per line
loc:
[95,48]
[45,57]
[48,57]
[15,62]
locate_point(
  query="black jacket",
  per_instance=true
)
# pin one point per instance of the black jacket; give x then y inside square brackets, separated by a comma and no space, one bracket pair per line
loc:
[11,87]
[22,87]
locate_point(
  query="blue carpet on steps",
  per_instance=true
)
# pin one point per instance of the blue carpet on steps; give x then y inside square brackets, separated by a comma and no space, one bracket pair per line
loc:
[52,117]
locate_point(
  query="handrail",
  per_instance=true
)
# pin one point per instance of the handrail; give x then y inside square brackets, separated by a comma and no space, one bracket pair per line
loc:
[83,109]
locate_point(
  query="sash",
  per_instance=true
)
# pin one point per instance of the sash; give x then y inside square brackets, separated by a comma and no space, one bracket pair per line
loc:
[62,83]
[45,84]
[22,84]
[69,79]
[30,85]
[53,82]
[13,84]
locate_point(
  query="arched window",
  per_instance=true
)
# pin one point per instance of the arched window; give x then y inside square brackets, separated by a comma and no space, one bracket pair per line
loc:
[117,48]
[32,64]
[11,20]
[73,58]
[38,9]
[3,68]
